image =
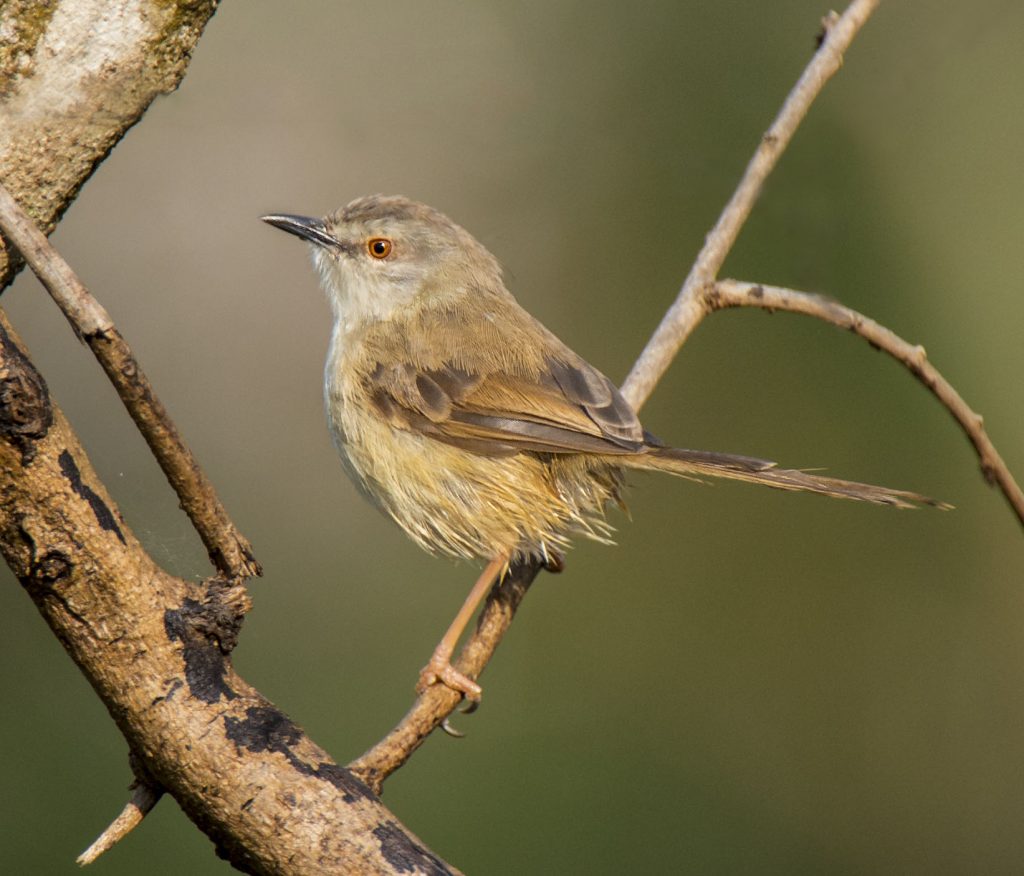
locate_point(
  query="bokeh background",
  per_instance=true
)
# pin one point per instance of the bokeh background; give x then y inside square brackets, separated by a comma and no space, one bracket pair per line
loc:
[751,681]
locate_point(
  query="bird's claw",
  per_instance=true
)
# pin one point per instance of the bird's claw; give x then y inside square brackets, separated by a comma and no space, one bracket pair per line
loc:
[468,708]
[450,730]
[442,672]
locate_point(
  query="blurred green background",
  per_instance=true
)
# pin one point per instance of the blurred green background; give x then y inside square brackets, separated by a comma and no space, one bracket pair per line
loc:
[751,681]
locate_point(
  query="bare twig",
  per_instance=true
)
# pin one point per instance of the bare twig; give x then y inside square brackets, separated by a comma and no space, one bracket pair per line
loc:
[144,798]
[432,708]
[689,307]
[733,293]
[700,296]
[229,549]
[436,703]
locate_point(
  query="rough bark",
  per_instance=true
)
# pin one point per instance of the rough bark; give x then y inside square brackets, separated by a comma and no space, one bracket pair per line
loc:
[155,649]
[74,77]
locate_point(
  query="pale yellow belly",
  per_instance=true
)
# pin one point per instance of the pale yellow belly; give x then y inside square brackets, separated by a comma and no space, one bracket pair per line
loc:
[451,501]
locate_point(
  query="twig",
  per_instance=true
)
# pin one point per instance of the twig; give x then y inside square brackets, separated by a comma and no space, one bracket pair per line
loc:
[229,550]
[689,308]
[733,293]
[144,798]
[432,708]
[435,704]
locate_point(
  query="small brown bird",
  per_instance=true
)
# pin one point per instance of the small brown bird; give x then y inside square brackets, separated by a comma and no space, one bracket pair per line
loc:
[464,419]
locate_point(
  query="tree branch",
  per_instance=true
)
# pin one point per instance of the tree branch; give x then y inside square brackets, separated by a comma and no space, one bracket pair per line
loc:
[144,797]
[434,705]
[431,709]
[733,293]
[154,647]
[155,650]
[75,75]
[688,309]
[229,550]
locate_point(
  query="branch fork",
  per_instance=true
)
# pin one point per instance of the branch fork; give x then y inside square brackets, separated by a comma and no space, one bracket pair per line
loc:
[207,619]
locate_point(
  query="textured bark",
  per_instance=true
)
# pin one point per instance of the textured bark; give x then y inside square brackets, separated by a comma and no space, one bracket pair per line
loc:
[74,76]
[155,650]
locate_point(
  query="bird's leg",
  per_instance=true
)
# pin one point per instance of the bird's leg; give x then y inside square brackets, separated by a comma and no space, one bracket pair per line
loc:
[440,669]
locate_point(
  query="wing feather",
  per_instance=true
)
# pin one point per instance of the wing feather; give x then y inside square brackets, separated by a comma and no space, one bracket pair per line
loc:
[561,405]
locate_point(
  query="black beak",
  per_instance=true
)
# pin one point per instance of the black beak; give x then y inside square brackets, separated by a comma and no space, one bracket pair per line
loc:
[305,227]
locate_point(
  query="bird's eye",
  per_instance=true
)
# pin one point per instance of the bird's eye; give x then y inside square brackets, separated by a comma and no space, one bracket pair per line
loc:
[379,247]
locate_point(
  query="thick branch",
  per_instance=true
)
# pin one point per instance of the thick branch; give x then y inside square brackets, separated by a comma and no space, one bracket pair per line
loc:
[154,649]
[75,75]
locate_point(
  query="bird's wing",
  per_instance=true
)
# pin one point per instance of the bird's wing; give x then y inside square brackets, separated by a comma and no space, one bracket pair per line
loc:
[563,406]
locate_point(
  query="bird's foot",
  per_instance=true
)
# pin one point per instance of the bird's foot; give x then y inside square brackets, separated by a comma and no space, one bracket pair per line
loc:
[440,671]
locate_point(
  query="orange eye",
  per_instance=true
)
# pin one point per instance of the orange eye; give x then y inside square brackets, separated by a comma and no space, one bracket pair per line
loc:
[379,247]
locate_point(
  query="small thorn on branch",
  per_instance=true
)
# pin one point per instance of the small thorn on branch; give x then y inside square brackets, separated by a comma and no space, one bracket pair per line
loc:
[144,798]
[827,23]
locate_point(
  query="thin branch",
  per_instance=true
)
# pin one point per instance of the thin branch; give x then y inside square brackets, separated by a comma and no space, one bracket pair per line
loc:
[144,798]
[689,307]
[435,704]
[432,708]
[229,550]
[733,293]
[700,296]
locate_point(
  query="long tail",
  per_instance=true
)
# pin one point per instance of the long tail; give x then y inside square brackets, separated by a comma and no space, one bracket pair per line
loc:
[697,463]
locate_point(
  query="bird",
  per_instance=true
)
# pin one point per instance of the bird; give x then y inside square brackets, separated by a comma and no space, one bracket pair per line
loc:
[468,422]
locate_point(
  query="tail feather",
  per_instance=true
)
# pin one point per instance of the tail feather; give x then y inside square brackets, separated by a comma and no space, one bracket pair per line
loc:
[695,463]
